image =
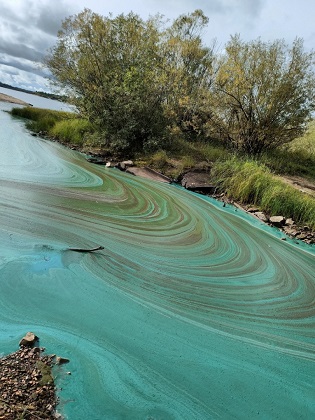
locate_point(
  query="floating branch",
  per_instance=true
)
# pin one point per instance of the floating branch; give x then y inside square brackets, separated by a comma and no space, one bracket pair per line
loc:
[86,250]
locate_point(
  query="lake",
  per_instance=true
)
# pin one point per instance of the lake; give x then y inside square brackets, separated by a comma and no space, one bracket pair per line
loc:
[192,310]
[37,101]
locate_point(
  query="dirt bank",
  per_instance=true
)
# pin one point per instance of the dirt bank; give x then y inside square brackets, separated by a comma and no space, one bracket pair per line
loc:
[12,100]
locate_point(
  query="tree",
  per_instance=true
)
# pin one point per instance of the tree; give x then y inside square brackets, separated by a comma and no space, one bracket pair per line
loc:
[263,95]
[189,73]
[110,68]
[133,79]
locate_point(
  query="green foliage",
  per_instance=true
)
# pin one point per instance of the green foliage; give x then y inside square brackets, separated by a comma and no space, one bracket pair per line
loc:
[37,114]
[298,162]
[72,131]
[188,75]
[132,78]
[159,159]
[64,126]
[41,120]
[264,94]
[142,83]
[306,143]
[253,183]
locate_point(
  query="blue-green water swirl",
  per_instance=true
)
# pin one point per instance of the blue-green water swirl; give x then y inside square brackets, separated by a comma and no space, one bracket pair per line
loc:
[191,311]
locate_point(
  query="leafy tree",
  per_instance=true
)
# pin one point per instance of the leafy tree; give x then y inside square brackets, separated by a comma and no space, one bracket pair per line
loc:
[263,95]
[189,73]
[133,79]
[109,66]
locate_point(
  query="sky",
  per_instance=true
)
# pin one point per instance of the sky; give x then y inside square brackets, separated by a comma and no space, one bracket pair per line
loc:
[28,28]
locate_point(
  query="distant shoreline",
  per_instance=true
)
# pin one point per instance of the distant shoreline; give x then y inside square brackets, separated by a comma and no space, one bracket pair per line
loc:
[12,100]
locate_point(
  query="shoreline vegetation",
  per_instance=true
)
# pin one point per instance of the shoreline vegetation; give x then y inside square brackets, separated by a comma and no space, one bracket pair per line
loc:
[280,184]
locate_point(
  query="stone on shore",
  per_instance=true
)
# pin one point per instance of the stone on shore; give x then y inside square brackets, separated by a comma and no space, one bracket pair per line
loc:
[28,340]
[61,360]
[148,173]
[277,221]
[198,181]
[261,216]
[125,164]
[27,389]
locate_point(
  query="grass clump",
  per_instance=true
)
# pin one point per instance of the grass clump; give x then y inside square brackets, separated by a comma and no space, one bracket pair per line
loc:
[72,131]
[64,126]
[295,159]
[250,182]
[305,143]
[41,120]
[290,162]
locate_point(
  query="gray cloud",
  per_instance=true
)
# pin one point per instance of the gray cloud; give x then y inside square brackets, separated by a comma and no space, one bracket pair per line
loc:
[49,17]
[28,28]
[25,65]
[20,51]
[26,80]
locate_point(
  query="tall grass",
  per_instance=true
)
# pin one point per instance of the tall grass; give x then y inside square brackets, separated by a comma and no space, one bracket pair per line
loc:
[41,120]
[252,183]
[64,126]
[298,162]
[296,158]
[72,131]
[305,143]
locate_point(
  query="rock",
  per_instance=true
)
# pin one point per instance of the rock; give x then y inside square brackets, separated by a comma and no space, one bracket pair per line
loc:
[290,231]
[97,161]
[125,164]
[149,174]
[111,164]
[289,222]
[302,236]
[61,360]
[277,221]
[253,210]
[198,181]
[28,340]
[261,216]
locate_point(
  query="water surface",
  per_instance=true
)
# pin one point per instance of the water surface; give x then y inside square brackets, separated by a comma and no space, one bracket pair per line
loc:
[35,100]
[191,311]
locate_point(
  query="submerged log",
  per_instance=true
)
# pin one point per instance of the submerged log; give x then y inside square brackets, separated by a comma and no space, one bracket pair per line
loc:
[86,250]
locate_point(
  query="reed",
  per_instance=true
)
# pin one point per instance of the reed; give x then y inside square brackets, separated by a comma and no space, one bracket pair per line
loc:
[64,126]
[252,183]
[41,120]
[72,131]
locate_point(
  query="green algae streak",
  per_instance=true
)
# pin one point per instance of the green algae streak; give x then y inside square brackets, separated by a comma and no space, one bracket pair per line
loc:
[191,311]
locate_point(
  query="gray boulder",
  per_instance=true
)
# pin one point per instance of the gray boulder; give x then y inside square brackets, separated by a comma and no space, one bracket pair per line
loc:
[28,340]
[277,221]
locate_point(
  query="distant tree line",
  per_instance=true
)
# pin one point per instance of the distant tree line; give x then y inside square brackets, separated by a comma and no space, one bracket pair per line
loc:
[38,93]
[143,83]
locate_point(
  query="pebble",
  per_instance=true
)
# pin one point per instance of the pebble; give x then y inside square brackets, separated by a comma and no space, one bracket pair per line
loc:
[22,393]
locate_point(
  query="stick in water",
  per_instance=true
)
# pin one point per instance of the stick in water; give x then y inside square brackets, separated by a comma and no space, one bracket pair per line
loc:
[86,250]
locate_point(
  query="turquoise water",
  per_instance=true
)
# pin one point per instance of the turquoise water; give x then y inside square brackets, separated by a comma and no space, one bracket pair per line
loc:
[192,311]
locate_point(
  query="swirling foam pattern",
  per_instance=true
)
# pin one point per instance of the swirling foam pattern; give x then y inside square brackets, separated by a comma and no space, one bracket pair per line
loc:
[191,311]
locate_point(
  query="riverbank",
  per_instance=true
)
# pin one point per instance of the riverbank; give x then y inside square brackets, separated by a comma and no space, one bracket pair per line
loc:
[250,182]
[12,100]
[27,389]
[198,179]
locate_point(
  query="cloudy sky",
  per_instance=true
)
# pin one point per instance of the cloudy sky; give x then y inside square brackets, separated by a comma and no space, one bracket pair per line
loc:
[28,28]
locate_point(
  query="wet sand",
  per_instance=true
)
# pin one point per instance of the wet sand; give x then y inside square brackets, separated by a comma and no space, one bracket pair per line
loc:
[11,99]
